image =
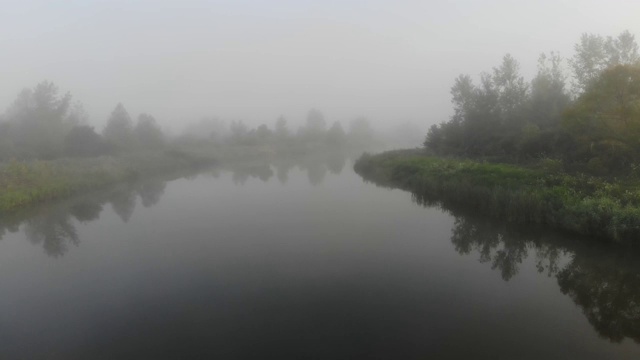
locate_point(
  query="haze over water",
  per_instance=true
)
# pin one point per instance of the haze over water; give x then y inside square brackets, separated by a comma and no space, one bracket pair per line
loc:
[307,261]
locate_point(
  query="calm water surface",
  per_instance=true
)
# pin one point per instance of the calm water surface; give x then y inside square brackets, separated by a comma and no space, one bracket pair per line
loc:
[304,262]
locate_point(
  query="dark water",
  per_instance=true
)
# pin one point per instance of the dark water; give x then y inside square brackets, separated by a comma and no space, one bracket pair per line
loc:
[304,263]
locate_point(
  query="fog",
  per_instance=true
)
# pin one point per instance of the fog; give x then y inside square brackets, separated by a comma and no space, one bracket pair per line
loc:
[319,179]
[393,62]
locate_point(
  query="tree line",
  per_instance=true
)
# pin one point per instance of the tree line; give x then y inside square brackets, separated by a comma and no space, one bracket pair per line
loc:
[585,115]
[313,135]
[44,124]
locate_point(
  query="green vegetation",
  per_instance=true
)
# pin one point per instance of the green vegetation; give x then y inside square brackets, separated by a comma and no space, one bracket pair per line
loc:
[48,150]
[537,153]
[539,195]
[593,127]
[28,182]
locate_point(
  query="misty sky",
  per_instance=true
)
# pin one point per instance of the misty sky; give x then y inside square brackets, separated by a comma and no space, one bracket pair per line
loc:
[254,60]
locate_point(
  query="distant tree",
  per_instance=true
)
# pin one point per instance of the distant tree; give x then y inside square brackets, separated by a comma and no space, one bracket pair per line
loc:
[147,133]
[78,115]
[264,134]
[336,137]
[82,140]
[40,120]
[7,150]
[119,128]
[281,129]
[361,133]
[316,123]
[210,128]
[239,131]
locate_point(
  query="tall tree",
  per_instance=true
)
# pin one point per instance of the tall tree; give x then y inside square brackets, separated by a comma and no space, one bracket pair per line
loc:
[281,129]
[588,60]
[147,133]
[511,89]
[336,137]
[594,54]
[82,140]
[119,128]
[548,92]
[40,120]
[605,120]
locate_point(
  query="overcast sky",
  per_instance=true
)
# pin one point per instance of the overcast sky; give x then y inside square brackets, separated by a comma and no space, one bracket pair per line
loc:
[390,60]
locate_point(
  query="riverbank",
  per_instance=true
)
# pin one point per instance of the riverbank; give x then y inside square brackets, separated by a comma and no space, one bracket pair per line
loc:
[28,183]
[540,195]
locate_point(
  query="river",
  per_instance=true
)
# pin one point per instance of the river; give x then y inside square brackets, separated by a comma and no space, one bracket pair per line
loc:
[302,262]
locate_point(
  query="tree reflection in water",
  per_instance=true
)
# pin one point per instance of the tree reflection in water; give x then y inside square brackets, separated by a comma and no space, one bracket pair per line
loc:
[602,279]
[315,165]
[54,230]
[52,226]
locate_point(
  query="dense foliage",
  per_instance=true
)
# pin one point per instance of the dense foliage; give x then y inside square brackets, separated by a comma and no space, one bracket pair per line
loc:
[580,204]
[48,150]
[593,126]
[42,124]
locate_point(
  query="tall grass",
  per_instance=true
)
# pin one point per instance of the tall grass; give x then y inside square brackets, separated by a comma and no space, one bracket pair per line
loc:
[579,204]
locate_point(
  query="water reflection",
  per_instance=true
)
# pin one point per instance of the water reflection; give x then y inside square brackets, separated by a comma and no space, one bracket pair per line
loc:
[316,166]
[53,230]
[607,289]
[603,280]
[52,226]
[242,172]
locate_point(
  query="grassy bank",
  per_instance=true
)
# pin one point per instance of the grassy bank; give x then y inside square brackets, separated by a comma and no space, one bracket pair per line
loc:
[27,183]
[540,195]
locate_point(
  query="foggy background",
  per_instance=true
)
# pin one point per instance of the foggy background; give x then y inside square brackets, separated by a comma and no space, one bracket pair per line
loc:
[392,61]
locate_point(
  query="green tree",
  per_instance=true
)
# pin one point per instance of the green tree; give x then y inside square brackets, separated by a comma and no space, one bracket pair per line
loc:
[147,133]
[511,90]
[82,140]
[40,119]
[336,137]
[548,93]
[594,54]
[119,128]
[605,120]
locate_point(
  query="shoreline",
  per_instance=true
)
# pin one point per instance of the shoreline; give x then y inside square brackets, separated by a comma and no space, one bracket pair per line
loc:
[542,196]
[28,183]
